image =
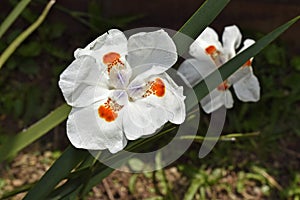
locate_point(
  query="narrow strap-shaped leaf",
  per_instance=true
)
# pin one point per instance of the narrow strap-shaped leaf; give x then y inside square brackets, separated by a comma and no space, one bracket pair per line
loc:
[208,11]
[13,15]
[27,136]
[14,45]
[58,171]
[213,80]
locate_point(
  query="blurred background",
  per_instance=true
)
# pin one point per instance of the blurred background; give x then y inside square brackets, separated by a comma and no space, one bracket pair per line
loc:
[263,162]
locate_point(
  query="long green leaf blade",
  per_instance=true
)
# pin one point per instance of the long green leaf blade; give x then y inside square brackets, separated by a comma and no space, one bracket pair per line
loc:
[27,136]
[13,15]
[58,171]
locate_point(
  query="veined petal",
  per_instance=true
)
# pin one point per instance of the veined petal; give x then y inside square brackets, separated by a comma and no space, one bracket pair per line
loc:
[247,89]
[231,40]
[82,82]
[194,70]
[159,90]
[152,48]
[137,86]
[142,119]
[106,49]
[87,127]
[216,99]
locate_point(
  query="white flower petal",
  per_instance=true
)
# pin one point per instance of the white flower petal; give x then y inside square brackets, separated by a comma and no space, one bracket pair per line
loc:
[86,130]
[241,73]
[114,41]
[194,70]
[228,99]
[207,38]
[142,119]
[216,99]
[247,89]
[152,48]
[231,40]
[81,82]
[247,43]
[172,100]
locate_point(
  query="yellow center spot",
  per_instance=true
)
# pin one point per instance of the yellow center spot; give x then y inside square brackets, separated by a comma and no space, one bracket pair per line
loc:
[156,87]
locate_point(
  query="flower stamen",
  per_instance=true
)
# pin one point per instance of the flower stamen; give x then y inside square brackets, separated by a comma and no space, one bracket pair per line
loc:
[156,87]
[109,110]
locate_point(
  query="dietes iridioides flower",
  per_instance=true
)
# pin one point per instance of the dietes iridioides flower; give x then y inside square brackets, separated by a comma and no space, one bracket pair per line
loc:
[209,54]
[119,90]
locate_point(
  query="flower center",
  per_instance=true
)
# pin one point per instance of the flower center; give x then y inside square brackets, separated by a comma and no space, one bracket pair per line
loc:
[112,59]
[109,110]
[223,86]
[156,87]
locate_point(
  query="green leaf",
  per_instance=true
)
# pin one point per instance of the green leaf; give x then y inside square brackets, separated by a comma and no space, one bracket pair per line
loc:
[132,183]
[16,43]
[27,136]
[190,193]
[58,171]
[13,15]
[213,80]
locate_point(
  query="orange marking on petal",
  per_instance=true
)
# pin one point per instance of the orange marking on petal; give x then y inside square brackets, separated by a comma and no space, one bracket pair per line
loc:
[211,50]
[248,63]
[158,87]
[109,110]
[107,113]
[223,86]
[110,57]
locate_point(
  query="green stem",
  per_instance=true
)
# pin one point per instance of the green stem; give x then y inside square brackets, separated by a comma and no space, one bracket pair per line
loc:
[13,15]
[14,45]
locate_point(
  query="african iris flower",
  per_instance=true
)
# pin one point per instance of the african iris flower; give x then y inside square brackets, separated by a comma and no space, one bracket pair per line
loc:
[119,90]
[209,54]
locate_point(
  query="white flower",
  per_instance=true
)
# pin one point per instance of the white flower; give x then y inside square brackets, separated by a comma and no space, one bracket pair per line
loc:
[209,54]
[119,90]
